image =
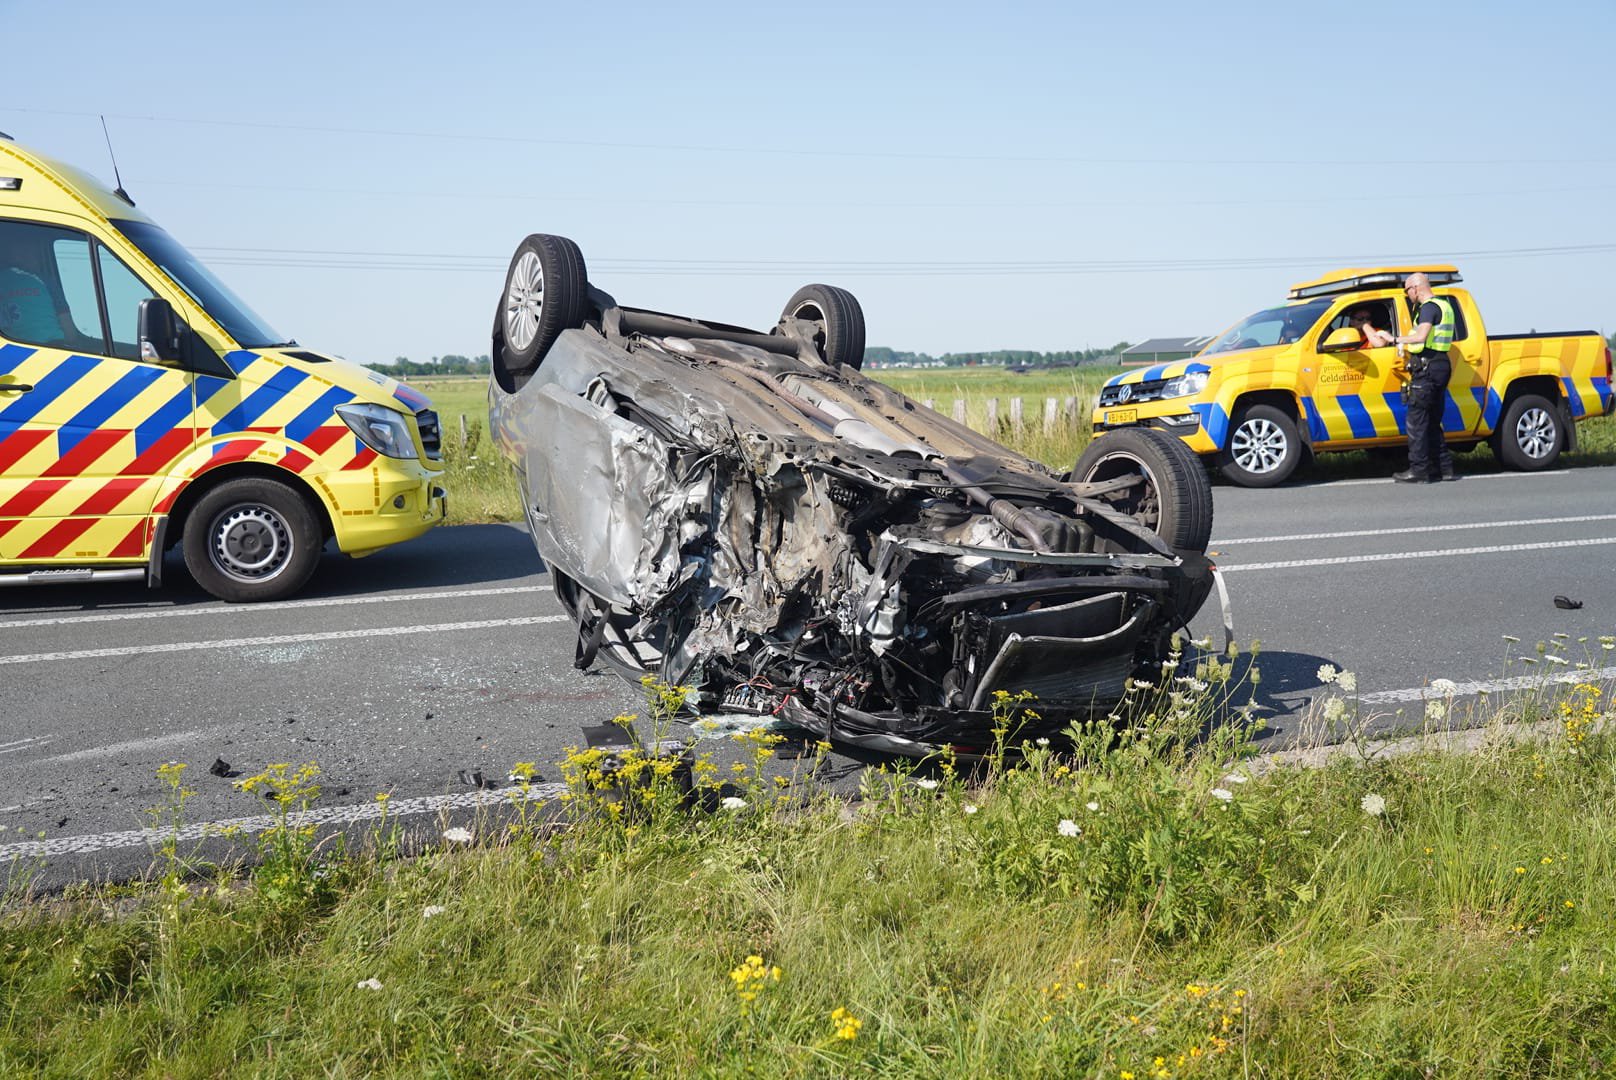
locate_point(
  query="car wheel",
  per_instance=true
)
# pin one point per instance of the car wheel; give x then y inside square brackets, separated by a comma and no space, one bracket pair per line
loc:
[546,292]
[251,540]
[1531,435]
[1264,447]
[1173,498]
[837,319]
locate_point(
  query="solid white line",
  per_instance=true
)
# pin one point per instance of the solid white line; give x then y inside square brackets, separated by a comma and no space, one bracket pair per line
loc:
[278,639]
[26,744]
[1411,529]
[1392,556]
[284,605]
[133,746]
[1535,477]
[335,815]
[1550,676]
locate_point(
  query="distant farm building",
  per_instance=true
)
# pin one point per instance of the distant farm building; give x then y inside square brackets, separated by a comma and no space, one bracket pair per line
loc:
[1161,350]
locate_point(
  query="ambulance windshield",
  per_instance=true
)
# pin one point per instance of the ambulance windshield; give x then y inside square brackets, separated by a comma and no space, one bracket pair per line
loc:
[227,309]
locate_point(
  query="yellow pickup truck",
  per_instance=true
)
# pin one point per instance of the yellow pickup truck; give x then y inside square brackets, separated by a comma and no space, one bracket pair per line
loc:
[1297,379]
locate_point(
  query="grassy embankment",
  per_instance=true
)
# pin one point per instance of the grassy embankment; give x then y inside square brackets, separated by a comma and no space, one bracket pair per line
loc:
[1150,907]
[481,488]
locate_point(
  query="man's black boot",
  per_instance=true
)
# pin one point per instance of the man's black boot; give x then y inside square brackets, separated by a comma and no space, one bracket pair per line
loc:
[1449,474]
[1409,476]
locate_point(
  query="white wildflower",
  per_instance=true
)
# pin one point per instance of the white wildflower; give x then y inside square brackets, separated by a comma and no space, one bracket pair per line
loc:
[731,802]
[457,835]
[369,984]
[1327,673]
[926,783]
[1444,686]
[1562,661]
[1347,681]
[1435,710]
[1334,709]
[1222,794]
[1562,635]
[1512,639]
[1527,659]
[1067,827]
[1041,742]
[1203,643]
[970,808]
[1236,778]
[1139,684]
[1373,805]
[1093,807]
[1192,682]
[432,911]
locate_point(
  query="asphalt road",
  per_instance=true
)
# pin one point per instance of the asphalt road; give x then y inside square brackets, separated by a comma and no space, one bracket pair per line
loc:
[414,670]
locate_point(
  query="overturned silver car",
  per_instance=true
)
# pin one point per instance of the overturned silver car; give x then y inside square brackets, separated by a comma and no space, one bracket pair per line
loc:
[746,513]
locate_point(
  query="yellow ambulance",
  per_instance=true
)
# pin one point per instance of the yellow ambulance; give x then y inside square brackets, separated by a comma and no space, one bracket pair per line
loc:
[142,404]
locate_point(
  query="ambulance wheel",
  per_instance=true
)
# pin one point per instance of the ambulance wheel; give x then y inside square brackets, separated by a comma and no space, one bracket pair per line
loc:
[1171,495]
[546,292]
[1264,447]
[1531,436]
[250,540]
[838,322]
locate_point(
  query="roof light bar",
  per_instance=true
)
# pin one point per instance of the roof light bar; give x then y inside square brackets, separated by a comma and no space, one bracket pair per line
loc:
[1377,280]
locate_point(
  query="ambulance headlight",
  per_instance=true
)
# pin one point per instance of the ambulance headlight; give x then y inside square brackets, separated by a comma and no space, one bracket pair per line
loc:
[1184,385]
[384,430]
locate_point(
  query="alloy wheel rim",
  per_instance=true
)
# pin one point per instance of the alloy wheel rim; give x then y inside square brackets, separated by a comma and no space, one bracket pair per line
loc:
[1534,434]
[1259,446]
[524,301]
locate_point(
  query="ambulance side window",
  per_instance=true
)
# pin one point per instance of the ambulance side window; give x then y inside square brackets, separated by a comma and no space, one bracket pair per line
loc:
[124,293]
[73,270]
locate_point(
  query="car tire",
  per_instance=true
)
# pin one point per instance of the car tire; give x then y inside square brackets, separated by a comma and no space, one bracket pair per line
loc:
[1176,499]
[1532,434]
[1264,447]
[838,321]
[251,540]
[546,292]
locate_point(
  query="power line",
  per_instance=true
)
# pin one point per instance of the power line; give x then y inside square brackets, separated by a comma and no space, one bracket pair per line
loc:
[791,151]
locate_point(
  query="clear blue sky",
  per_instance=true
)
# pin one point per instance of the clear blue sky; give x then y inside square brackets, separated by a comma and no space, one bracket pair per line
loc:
[1006,175]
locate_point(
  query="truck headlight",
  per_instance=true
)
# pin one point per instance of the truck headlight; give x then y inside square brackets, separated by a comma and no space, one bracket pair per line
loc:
[384,430]
[1192,383]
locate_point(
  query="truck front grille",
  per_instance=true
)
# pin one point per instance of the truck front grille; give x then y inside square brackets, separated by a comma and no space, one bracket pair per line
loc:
[1139,391]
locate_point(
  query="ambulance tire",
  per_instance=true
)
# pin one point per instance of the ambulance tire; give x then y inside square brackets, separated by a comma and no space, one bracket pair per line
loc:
[838,320]
[251,540]
[1264,447]
[1532,434]
[1175,500]
[546,292]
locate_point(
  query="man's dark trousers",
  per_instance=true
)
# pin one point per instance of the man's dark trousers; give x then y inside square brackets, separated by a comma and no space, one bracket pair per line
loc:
[1426,398]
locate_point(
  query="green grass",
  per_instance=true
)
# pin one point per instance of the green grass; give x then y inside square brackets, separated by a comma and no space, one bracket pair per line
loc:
[482,488]
[1144,905]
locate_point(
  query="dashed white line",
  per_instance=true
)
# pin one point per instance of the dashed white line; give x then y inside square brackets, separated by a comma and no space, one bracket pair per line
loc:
[1294,537]
[277,639]
[284,605]
[1392,556]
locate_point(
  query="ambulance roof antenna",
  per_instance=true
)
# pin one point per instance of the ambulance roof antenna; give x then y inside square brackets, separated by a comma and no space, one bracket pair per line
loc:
[118,191]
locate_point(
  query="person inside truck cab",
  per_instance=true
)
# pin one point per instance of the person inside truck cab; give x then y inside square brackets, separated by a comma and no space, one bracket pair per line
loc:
[1362,319]
[29,311]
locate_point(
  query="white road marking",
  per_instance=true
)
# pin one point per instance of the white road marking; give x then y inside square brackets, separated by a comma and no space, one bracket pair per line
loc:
[1412,529]
[335,815]
[1549,677]
[133,746]
[23,744]
[284,605]
[278,639]
[1391,556]
[1561,475]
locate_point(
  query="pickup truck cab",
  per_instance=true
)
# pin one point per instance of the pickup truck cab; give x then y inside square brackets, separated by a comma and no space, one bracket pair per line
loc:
[1297,379]
[142,404]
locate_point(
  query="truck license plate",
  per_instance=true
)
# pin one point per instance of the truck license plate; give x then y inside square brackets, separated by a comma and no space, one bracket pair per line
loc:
[1122,416]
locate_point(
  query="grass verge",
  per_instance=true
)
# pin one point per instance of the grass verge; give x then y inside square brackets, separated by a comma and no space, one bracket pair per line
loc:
[1147,904]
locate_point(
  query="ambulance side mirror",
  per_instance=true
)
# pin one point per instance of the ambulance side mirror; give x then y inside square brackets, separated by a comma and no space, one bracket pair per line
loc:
[159,333]
[1341,339]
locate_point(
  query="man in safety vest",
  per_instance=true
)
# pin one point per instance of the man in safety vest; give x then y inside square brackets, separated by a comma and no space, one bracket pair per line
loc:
[1426,395]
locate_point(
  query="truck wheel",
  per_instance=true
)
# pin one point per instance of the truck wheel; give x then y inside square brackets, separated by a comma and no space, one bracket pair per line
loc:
[546,292]
[1173,498]
[838,322]
[1264,447]
[252,539]
[1531,436]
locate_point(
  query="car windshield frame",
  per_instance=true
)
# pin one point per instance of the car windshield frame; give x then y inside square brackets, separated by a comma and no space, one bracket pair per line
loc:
[1289,322]
[245,326]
